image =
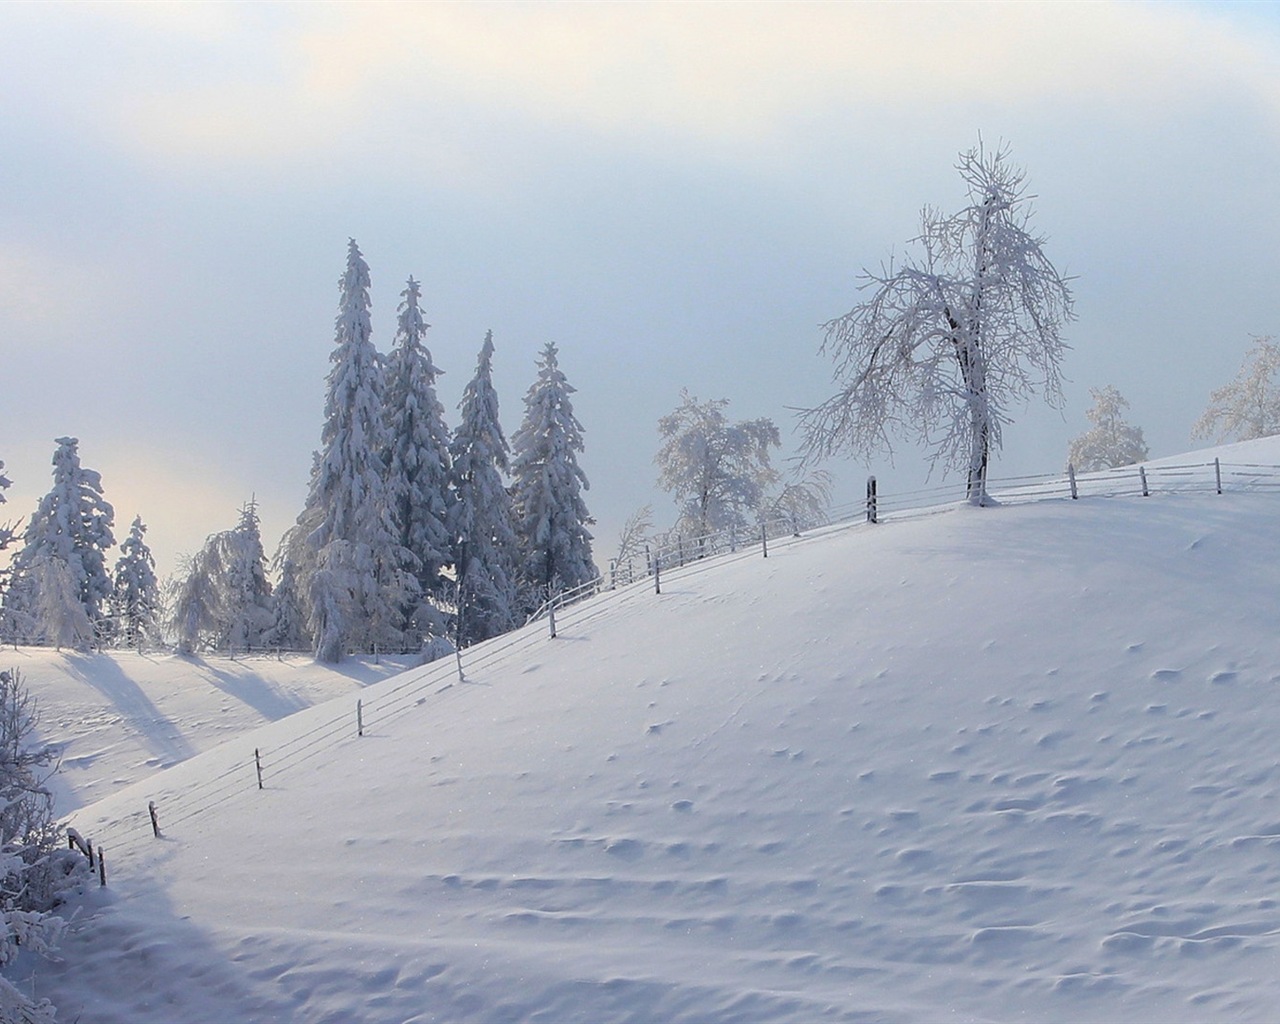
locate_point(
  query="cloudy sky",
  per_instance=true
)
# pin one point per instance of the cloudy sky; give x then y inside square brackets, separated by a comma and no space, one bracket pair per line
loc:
[675,194]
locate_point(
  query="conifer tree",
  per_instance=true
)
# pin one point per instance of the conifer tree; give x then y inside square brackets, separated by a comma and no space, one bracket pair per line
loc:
[62,564]
[359,583]
[136,596]
[247,610]
[482,516]
[551,517]
[418,458]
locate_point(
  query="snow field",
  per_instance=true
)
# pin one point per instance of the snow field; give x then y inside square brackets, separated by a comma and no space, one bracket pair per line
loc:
[995,764]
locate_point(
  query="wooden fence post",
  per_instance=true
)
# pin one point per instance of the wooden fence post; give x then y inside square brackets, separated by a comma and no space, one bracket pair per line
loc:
[657,575]
[873,511]
[764,538]
[102,868]
[155,820]
[551,616]
[1142,472]
[360,717]
[1217,473]
[257,763]
[1071,475]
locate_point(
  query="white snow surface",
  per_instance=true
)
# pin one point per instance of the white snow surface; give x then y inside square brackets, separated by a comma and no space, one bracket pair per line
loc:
[1016,763]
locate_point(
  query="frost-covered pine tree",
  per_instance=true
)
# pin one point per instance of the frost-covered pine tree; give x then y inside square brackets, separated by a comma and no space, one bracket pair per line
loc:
[246,604]
[1110,441]
[223,600]
[1248,406]
[359,584]
[418,460]
[550,515]
[482,513]
[136,592]
[64,551]
[288,630]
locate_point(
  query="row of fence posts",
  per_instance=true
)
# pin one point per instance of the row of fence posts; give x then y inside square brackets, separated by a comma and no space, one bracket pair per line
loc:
[1142,479]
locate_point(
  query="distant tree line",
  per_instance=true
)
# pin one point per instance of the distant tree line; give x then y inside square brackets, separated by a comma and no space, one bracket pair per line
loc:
[412,536]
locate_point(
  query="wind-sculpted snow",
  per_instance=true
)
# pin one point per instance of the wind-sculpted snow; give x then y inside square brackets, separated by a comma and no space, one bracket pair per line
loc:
[1000,764]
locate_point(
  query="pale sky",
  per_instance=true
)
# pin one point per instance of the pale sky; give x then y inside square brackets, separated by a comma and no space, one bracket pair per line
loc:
[675,194]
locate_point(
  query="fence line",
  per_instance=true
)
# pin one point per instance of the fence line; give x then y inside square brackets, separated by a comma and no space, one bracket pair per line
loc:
[678,558]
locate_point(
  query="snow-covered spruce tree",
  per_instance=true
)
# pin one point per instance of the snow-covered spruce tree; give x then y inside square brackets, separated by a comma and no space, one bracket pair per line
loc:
[361,579]
[945,343]
[1248,406]
[70,527]
[718,471]
[482,513]
[246,601]
[550,515]
[288,629]
[223,601]
[1110,441]
[136,593]
[35,874]
[418,463]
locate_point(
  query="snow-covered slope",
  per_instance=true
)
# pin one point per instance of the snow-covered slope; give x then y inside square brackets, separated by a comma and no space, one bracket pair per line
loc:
[998,764]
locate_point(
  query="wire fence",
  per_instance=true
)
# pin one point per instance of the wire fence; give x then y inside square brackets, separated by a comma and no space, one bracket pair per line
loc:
[240,771]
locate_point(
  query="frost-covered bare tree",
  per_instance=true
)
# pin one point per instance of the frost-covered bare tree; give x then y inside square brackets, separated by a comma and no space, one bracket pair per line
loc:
[718,471]
[635,531]
[968,324]
[1110,441]
[804,499]
[1248,406]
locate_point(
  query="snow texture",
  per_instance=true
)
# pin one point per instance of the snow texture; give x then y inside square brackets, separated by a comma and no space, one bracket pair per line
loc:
[859,780]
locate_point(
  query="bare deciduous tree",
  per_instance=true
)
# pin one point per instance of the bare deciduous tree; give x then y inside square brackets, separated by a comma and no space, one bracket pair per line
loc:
[948,340]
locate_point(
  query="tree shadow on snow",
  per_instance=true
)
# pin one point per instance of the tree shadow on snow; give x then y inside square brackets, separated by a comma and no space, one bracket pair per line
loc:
[159,734]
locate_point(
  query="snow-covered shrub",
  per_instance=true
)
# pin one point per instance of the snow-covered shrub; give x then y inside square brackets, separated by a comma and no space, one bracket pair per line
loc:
[35,873]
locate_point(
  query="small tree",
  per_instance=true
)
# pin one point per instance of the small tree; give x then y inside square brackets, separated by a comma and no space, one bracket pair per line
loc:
[947,341]
[803,500]
[1111,441]
[224,600]
[8,531]
[35,873]
[1248,406]
[633,535]
[136,597]
[551,517]
[717,470]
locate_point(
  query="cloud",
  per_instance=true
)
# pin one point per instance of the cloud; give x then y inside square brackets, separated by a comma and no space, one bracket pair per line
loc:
[733,75]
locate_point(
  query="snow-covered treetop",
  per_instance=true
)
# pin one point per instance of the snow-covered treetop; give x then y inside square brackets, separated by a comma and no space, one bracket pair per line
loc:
[1111,441]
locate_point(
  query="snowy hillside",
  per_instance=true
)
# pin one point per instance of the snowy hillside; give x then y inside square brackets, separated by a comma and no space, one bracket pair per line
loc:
[1011,763]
